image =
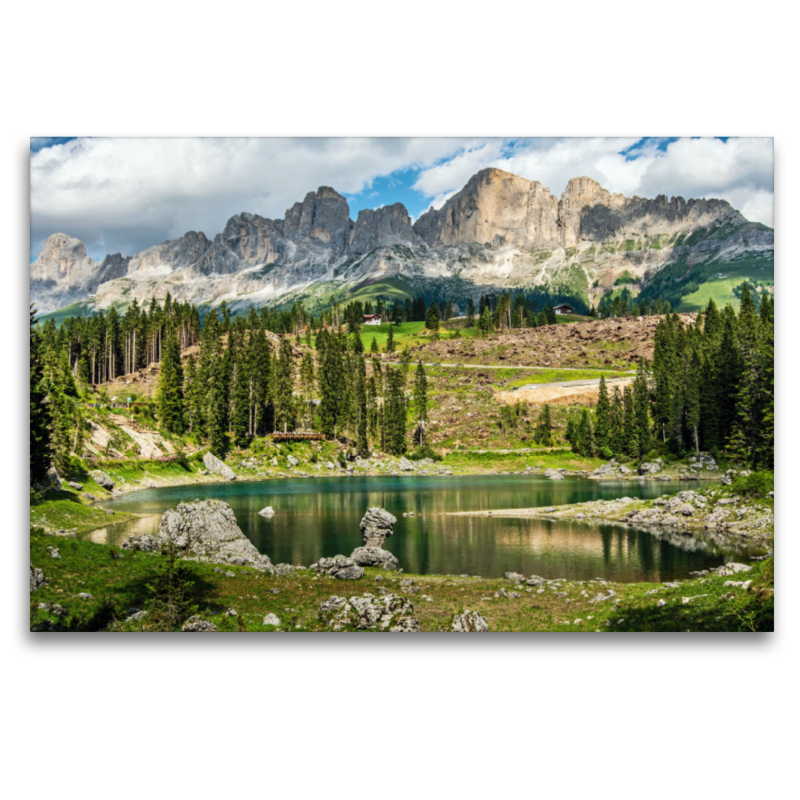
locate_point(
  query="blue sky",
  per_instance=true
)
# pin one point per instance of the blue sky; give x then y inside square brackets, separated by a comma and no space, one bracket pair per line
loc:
[123,195]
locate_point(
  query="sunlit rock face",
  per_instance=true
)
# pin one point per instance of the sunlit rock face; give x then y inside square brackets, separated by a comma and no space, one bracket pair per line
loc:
[500,231]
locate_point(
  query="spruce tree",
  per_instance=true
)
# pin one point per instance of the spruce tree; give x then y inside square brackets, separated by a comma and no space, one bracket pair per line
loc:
[169,395]
[602,416]
[362,421]
[543,433]
[217,405]
[390,340]
[641,400]
[283,385]
[41,450]
[395,412]
[421,394]
[586,442]
[470,323]
[241,400]
[630,431]
[374,346]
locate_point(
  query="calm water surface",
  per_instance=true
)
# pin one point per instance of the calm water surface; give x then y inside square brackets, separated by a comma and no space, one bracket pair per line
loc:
[319,517]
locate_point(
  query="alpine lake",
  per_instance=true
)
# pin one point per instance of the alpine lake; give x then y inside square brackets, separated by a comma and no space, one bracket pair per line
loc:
[317,517]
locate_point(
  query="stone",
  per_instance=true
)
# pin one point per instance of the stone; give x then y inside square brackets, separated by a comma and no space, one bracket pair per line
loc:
[624,470]
[267,512]
[469,622]
[376,525]
[101,479]
[135,615]
[53,552]
[213,464]
[404,465]
[197,624]
[514,577]
[78,487]
[271,619]
[37,579]
[553,475]
[374,557]
[344,569]
[368,612]
[535,580]
[85,596]
[292,461]
[661,603]
[204,530]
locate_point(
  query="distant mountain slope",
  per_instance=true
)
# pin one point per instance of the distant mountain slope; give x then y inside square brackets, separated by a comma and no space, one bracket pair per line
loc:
[499,232]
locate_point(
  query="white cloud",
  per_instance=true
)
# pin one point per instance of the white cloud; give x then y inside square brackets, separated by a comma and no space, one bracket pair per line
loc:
[739,170]
[128,194]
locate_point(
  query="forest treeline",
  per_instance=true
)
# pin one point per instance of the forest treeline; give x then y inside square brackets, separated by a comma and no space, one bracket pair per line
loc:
[709,387]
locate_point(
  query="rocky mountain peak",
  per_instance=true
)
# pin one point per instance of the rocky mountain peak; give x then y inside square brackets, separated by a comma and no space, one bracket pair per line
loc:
[376,227]
[323,216]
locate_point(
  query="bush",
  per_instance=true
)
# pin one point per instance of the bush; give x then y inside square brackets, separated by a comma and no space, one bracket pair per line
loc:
[425,451]
[170,593]
[756,484]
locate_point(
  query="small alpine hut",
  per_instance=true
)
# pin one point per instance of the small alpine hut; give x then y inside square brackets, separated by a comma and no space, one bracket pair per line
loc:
[372,319]
[564,309]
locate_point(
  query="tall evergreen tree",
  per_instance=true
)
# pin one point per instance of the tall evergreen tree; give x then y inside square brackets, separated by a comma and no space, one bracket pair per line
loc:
[602,417]
[41,450]
[283,386]
[543,433]
[169,395]
[421,393]
[395,411]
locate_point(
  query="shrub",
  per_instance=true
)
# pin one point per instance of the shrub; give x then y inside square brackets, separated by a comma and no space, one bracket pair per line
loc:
[756,484]
[425,451]
[170,600]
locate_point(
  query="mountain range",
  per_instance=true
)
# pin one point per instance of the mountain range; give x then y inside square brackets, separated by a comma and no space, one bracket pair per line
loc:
[500,232]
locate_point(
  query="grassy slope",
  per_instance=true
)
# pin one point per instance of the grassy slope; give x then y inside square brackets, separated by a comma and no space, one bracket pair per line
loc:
[122,582]
[722,289]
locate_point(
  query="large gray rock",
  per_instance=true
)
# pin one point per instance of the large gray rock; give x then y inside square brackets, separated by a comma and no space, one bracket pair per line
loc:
[197,624]
[205,530]
[37,578]
[374,557]
[213,464]
[469,622]
[404,465]
[292,461]
[367,612]
[101,479]
[376,525]
[345,569]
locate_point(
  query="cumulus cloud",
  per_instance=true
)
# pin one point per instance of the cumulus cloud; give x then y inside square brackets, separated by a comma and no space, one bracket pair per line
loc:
[123,195]
[737,170]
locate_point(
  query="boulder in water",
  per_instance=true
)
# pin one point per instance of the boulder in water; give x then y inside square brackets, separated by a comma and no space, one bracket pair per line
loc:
[376,525]
[205,530]
[267,512]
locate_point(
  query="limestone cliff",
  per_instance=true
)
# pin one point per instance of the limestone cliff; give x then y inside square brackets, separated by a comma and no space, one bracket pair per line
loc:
[500,231]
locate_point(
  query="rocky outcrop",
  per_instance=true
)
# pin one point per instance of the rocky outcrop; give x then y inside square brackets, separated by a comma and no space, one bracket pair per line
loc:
[376,525]
[374,557]
[213,464]
[197,624]
[341,567]
[202,531]
[469,622]
[37,578]
[390,612]
[495,233]
[101,479]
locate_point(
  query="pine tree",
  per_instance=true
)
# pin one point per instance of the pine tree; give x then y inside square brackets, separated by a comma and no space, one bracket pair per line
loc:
[544,428]
[390,340]
[331,386]
[617,424]
[282,387]
[169,395]
[602,416]
[241,400]
[362,422]
[192,393]
[470,323]
[41,449]
[630,432]
[421,393]
[586,442]
[217,405]
[395,412]
[374,346]
[307,380]
[641,401]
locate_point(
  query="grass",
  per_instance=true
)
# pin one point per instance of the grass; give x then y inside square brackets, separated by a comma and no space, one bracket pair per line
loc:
[557,376]
[721,290]
[118,581]
[390,290]
[79,309]
[56,511]
[404,334]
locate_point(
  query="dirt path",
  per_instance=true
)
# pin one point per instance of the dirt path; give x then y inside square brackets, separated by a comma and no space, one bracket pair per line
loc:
[564,393]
